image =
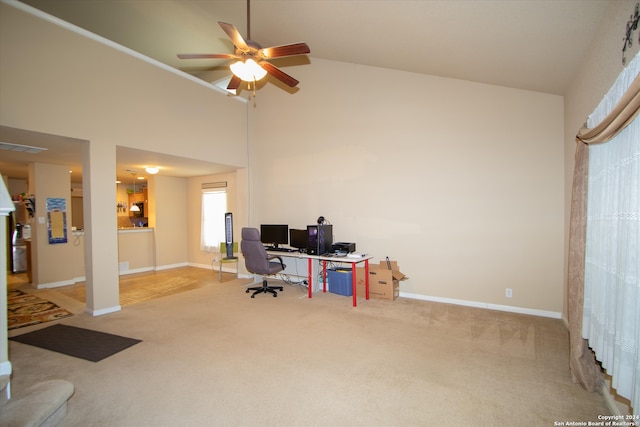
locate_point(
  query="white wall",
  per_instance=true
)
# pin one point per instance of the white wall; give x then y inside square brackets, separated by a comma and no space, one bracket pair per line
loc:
[171,206]
[460,182]
[51,181]
[70,85]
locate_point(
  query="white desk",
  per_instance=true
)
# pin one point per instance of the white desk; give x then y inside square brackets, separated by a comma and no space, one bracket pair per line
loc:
[324,259]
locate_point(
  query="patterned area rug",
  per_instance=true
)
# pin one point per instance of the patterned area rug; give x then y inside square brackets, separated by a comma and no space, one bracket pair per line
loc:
[27,309]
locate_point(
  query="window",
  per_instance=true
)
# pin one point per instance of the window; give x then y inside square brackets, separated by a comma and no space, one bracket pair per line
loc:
[611,311]
[214,206]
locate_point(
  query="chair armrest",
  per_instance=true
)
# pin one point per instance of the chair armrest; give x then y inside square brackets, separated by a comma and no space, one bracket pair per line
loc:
[279,258]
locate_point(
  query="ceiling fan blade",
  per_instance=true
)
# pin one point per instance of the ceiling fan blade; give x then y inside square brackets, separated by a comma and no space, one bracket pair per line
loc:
[286,50]
[206,55]
[279,74]
[234,35]
[234,83]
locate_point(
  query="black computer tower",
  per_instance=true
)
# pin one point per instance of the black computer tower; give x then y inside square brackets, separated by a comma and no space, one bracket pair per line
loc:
[320,239]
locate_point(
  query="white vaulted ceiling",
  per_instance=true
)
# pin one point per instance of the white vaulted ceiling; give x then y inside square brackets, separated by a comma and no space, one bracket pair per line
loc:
[528,44]
[534,45]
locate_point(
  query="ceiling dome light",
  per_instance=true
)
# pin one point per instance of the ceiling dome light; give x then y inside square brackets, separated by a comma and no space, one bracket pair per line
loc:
[249,70]
[152,170]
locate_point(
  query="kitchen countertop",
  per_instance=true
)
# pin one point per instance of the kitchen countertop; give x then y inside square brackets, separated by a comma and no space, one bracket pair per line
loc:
[134,229]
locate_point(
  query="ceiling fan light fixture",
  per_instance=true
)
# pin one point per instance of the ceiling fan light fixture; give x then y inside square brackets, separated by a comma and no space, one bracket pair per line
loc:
[252,61]
[152,170]
[248,70]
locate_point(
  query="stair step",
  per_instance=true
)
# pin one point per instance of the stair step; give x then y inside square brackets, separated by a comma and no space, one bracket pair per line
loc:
[42,404]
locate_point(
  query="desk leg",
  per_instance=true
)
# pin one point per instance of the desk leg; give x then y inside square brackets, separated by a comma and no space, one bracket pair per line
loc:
[310,281]
[354,281]
[324,275]
[366,275]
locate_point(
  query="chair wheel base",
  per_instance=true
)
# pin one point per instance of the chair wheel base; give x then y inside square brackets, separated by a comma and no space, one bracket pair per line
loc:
[264,289]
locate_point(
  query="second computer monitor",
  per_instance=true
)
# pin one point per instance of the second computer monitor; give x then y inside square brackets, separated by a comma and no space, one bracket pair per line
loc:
[298,239]
[274,234]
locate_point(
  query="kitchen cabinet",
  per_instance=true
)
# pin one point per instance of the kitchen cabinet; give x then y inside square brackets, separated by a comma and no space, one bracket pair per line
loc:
[142,201]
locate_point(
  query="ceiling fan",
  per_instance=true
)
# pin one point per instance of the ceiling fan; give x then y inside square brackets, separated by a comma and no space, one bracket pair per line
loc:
[251,62]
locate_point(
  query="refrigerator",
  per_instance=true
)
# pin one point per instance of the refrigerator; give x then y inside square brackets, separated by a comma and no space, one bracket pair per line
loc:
[18,231]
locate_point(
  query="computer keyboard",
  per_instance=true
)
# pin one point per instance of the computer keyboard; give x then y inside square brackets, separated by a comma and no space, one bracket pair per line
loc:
[279,249]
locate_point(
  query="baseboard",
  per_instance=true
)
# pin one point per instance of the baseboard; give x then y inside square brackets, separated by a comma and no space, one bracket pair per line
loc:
[5,368]
[121,272]
[56,284]
[135,270]
[5,381]
[170,266]
[103,311]
[488,306]
[207,266]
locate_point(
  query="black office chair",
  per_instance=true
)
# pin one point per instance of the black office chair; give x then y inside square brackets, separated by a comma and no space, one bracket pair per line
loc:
[258,261]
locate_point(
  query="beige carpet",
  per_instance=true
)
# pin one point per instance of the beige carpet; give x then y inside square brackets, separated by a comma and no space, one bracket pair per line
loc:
[215,357]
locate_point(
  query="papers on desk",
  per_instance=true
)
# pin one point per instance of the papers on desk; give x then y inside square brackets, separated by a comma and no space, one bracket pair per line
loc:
[353,255]
[356,255]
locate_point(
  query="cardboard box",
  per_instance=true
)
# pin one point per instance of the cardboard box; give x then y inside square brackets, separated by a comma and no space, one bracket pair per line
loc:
[395,270]
[360,283]
[383,283]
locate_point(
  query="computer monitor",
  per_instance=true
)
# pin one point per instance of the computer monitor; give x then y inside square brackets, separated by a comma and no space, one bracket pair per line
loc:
[274,234]
[298,238]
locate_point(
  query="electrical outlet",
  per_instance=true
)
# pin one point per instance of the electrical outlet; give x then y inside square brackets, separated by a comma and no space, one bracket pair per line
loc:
[508,293]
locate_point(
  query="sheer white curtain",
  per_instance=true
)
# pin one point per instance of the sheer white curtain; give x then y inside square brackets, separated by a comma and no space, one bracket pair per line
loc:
[611,316]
